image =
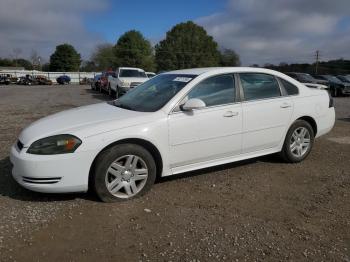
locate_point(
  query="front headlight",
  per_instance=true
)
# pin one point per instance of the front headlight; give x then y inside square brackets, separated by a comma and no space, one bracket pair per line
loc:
[125,84]
[60,144]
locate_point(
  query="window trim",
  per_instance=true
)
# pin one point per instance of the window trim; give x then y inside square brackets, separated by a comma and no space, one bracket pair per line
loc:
[260,99]
[284,90]
[236,98]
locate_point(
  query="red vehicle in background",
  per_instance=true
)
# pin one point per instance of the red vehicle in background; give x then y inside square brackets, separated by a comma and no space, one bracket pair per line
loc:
[103,82]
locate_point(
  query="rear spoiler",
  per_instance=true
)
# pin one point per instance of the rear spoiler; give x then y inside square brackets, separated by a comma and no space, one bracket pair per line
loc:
[317,86]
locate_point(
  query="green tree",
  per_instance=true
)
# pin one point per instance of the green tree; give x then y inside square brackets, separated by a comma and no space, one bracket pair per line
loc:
[23,63]
[65,59]
[132,49]
[88,66]
[104,57]
[6,62]
[187,45]
[229,57]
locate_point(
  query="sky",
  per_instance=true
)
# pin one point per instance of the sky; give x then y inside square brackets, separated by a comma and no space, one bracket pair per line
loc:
[260,31]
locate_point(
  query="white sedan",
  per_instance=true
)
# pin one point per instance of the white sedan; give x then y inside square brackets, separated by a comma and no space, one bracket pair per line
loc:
[175,122]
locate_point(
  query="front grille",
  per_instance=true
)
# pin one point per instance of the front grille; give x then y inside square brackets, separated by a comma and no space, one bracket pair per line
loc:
[42,180]
[135,84]
[19,145]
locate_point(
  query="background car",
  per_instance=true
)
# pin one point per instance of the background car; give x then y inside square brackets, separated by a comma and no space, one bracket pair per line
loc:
[345,79]
[337,87]
[307,78]
[126,78]
[63,79]
[150,74]
[4,79]
[42,80]
[96,82]
[104,81]
[27,80]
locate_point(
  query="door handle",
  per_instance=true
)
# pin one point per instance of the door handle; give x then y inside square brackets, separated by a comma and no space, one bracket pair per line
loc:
[286,105]
[230,114]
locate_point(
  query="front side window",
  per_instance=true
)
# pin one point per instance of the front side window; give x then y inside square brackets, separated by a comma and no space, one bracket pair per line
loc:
[153,94]
[131,73]
[259,86]
[217,90]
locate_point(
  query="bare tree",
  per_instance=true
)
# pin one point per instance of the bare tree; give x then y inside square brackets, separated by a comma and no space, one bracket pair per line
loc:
[35,58]
[17,52]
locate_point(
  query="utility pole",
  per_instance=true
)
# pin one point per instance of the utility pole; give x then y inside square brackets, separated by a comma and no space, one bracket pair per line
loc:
[317,60]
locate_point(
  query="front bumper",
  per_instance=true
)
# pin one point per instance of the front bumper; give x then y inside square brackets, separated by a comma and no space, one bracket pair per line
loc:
[66,173]
[123,89]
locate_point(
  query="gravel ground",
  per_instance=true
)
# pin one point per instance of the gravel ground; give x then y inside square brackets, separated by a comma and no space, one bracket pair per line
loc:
[255,210]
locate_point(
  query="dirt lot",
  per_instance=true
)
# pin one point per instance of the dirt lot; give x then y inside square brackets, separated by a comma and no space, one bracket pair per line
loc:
[255,210]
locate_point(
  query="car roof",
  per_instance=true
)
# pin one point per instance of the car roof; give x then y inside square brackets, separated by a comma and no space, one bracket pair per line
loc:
[199,71]
[132,68]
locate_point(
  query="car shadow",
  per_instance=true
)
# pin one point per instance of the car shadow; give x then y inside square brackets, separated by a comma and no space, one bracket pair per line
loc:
[11,189]
[345,119]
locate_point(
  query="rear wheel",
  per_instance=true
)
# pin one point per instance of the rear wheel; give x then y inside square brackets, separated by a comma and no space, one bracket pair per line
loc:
[123,172]
[298,143]
[117,92]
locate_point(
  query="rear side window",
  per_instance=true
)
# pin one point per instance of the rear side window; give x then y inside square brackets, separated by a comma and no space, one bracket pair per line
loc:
[290,88]
[217,90]
[259,86]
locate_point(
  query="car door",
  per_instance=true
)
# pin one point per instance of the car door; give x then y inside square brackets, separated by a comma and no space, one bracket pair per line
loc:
[266,112]
[210,133]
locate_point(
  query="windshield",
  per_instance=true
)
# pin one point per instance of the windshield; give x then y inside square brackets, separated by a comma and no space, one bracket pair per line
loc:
[131,73]
[154,94]
[333,79]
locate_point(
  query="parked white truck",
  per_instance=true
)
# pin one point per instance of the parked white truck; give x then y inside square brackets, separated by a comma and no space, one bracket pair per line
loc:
[125,79]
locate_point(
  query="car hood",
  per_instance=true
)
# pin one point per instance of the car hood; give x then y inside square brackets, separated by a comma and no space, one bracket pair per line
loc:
[133,79]
[83,122]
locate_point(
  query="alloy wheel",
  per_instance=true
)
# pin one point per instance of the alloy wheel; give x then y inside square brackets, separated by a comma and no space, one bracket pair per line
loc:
[300,142]
[126,176]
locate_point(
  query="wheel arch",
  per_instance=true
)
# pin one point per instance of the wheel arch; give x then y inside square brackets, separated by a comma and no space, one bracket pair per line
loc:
[311,121]
[137,141]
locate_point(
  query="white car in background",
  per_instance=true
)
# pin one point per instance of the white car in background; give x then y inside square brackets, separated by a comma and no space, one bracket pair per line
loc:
[150,74]
[176,122]
[125,79]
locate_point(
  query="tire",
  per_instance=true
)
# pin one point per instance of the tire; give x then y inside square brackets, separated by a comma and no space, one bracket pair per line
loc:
[110,91]
[125,184]
[295,150]
[117,92]
[334,92]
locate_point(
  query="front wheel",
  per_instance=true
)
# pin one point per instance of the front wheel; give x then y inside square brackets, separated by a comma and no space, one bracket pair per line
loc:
[117,92]
[298,142]
[110,92]
[123,172]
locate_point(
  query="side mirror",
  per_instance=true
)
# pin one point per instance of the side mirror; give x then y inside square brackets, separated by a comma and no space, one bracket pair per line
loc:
[191,104]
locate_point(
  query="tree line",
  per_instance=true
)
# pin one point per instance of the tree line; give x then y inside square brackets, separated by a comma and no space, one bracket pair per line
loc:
[186,45]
